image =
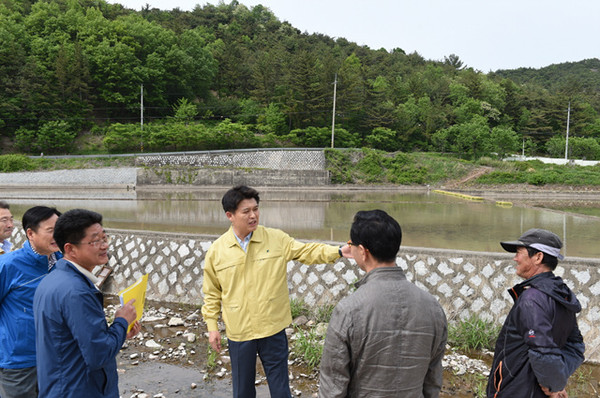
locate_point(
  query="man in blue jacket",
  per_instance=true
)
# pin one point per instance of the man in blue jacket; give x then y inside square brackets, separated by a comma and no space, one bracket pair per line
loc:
[7,227]
[21,271]
[540,344]
[76,349]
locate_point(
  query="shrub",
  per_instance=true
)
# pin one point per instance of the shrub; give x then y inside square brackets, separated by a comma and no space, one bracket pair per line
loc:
[123,138]
[338,165]
[55,137]
[11,163]
[371,165]
[25,140]
[383,138]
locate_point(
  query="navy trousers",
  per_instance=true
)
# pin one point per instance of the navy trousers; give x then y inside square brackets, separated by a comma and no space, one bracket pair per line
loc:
[273,353]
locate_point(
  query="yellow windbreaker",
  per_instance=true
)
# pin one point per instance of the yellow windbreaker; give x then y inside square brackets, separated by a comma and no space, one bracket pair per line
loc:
[251,287]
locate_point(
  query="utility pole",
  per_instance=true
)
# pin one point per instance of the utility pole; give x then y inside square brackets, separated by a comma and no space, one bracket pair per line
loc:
[567,142]
[333,113]
[142,117]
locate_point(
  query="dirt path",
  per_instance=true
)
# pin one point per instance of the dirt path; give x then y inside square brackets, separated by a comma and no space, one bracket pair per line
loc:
[471,176]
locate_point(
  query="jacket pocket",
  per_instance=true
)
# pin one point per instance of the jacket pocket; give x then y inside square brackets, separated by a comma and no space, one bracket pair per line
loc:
[267,256]
[226,274]
[277,307]
[99,380]
[233,318]
[226,266]
[24,342]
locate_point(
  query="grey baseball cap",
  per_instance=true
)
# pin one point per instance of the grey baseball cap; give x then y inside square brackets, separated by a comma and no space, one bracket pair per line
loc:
[539,239]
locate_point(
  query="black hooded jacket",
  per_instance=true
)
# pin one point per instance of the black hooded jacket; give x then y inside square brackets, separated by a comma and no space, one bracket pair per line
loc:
[540,342]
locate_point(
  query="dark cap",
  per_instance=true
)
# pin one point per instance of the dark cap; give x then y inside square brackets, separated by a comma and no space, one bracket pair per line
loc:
[539,239]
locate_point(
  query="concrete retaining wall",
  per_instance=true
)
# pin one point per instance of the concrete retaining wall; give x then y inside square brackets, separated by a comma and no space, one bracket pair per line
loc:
[262,167]
[267,158]
[464,282]
[168,175]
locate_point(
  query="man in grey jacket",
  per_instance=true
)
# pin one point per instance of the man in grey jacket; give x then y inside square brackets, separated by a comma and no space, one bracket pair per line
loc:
[387,339]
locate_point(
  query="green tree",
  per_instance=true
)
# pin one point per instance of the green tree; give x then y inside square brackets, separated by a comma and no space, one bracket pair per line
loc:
[55,137]
[380,108]
[470,140]
[273,121]
[351,94]
[503,141]
[184,111]
[383,138]
[12,62]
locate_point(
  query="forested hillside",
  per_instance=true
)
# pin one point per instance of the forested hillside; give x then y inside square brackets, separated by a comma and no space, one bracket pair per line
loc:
[72,72]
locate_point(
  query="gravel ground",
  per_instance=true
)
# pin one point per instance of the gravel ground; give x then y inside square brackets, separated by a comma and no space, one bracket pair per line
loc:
[103,177]
[169,359]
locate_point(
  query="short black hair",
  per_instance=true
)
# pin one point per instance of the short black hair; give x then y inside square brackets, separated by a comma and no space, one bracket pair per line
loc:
[377,231]
[232,198]
[548,260]
[71,226]
[34,216]
[4,205]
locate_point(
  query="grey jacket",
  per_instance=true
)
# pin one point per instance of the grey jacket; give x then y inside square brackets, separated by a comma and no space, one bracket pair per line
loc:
[387,339]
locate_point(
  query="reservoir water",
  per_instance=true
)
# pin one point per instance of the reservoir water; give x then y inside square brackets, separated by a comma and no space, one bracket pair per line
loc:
[428,219]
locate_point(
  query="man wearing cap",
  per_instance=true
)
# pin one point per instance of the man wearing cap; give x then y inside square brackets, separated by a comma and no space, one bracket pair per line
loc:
[540,344]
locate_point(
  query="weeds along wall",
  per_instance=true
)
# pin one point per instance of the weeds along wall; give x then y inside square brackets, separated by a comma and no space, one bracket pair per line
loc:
[464,282]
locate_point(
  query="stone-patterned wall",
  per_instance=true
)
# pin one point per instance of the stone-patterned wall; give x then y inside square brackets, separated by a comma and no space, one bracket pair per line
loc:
[189,175]
[275,159]
[464,282]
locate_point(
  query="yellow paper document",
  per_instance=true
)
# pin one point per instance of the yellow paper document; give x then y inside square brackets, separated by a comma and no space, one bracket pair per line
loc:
[136,291]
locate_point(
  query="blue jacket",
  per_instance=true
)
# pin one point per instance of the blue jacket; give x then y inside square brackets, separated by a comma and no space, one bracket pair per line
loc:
[540,342]
[76,349]
[21,271]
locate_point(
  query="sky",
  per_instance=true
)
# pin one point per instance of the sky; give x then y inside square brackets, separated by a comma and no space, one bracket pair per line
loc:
[487,35]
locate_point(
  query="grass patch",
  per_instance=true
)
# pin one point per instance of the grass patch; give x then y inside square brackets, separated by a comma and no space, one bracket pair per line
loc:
[299,307]
[478,383]
[211,358]
[309,347]
[473,333]
[16,163]
[322,314]
[537,173]
[371,166]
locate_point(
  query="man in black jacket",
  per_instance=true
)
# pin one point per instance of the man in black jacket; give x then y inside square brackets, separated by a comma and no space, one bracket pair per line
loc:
[540,344]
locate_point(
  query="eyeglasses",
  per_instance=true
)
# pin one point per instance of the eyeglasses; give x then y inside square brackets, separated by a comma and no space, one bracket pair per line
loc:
[6,220]
[98,242]
[351,244]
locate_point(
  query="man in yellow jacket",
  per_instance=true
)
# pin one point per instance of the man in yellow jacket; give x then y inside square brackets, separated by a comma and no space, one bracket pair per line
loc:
[245,277]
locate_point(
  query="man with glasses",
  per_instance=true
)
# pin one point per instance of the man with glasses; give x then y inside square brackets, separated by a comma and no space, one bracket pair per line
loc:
[21,271]
[76,349]
[245,277]
[7,227]
[387,339]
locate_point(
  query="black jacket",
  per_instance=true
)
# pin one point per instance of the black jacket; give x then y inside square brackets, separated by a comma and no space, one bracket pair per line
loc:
[540,342]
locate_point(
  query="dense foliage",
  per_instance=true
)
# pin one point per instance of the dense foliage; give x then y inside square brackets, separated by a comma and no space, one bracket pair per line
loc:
[228,76]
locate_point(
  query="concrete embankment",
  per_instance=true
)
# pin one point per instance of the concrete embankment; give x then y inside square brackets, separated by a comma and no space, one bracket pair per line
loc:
[80,178]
